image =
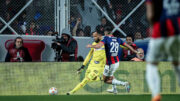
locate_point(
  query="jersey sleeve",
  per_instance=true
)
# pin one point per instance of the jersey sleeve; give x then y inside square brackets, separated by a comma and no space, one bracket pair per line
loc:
[88,57]
[121,42]
[104,40]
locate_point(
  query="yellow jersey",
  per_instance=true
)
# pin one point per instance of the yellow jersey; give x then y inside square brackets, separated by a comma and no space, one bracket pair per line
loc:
[97,56]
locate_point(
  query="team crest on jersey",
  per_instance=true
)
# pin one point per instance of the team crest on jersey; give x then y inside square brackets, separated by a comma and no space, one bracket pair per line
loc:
[96,62]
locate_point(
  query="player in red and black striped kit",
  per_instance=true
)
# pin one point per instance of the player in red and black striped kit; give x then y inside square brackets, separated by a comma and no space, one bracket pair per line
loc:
[112,45]
[164,17]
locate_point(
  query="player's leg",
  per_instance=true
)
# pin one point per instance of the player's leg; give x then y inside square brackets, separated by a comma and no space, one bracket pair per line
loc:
[113,68]
[95,76]
[176,66]
[152,74]
[173,51]
[90,76]
[108,75]
[153,78]
[118,82]
[80,85]
[109,78]
[98,77]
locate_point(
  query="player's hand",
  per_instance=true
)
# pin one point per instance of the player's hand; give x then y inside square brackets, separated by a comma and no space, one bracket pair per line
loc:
[58,43]
[89,46]
[78,20]
[80,69]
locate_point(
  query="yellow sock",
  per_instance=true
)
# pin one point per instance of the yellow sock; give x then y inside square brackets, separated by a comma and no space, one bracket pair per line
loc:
[80,85]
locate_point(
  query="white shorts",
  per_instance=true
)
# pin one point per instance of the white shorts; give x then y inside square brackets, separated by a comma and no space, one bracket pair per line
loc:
[110,69]
[164,47]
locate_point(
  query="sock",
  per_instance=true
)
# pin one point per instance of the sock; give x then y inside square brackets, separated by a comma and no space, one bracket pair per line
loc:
[117,82]
[177,71]
[80,85]
[114,87]
[153,79]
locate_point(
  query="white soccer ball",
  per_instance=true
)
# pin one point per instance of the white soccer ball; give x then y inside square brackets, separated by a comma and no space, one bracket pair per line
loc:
[53,91]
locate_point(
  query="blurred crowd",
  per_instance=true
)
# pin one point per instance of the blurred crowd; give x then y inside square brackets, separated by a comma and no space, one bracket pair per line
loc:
[135,26]
[117,10]
[8,10]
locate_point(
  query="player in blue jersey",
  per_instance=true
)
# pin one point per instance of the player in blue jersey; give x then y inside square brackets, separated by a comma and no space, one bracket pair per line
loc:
[164,18]
[112,45]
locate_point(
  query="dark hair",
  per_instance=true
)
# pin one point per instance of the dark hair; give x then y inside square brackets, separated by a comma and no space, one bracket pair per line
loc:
[87,30]
[100,29]
[108,28]
[131,37]
[79,30]
[18,38]
[103,18]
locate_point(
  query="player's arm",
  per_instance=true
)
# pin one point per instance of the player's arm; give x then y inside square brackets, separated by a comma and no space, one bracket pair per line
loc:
[88,57]
[131,48]
[150,11]
[99,45]
[123,47]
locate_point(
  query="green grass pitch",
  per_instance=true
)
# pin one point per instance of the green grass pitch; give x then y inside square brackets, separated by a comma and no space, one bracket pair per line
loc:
[88,98]
[31,82]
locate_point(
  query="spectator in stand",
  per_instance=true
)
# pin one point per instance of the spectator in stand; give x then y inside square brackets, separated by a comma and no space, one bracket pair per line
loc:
[18,53]
[127,55]
[87,31]
[72,22]
[118,16]
[33,29]
[80,32]
[107,6]
[138,36]
[140,56]
[148,32]
[104,22]
[69,46]
[50,33]
[15,26]
[1,25]
[74,31]
[6,6]
[77,31]
[100,28]
[7,17]
[22,22]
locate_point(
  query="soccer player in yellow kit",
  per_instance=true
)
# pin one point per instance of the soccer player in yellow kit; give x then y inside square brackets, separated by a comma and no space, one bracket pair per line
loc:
[96,66]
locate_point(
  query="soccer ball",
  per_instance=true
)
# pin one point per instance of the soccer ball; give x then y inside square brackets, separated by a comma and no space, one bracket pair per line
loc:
[53,91]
